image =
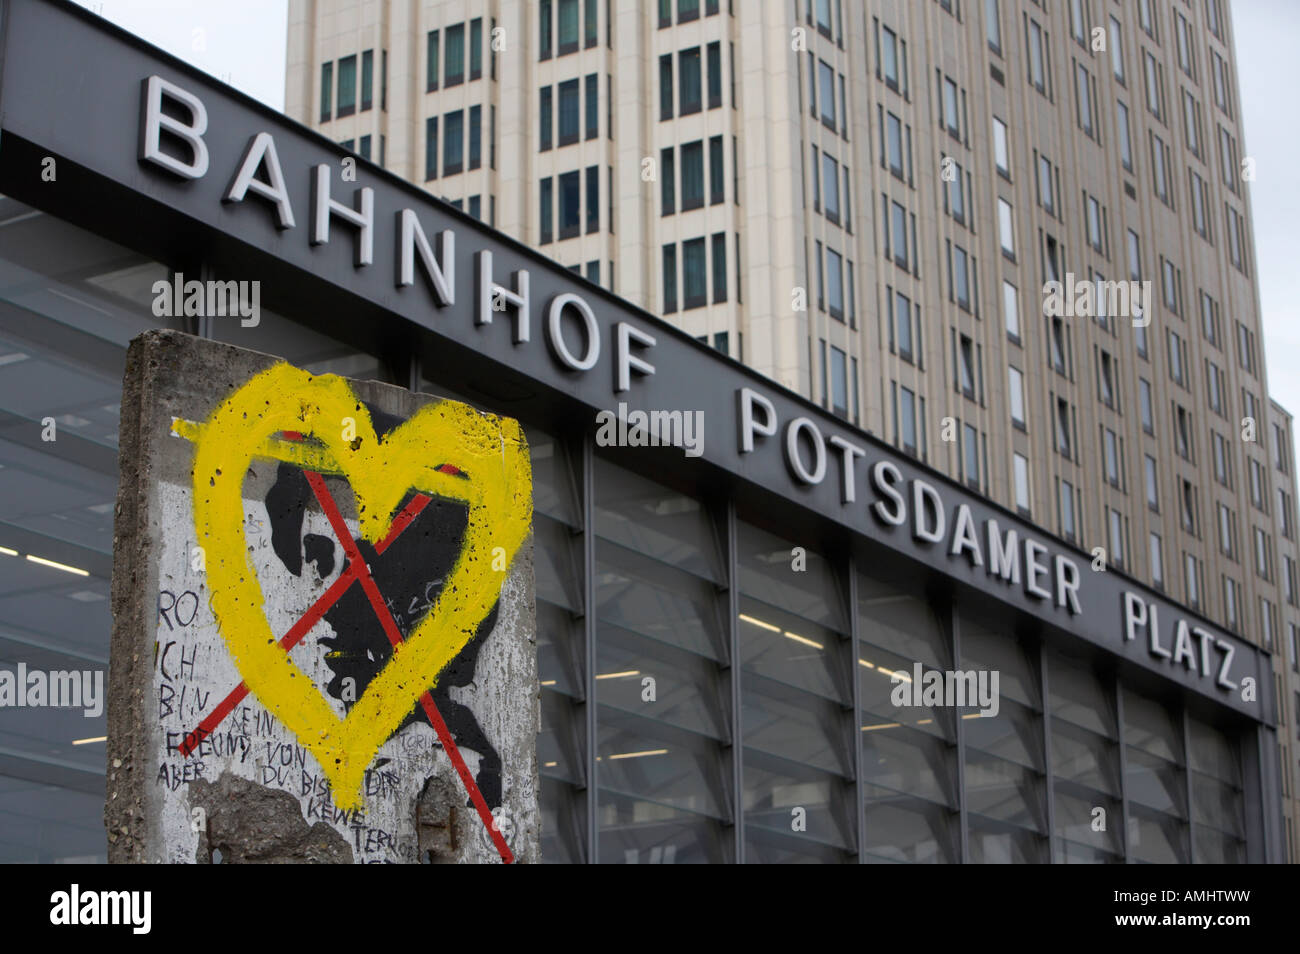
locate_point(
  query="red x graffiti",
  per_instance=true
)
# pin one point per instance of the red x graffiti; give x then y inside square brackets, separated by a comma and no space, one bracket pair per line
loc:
[358,571]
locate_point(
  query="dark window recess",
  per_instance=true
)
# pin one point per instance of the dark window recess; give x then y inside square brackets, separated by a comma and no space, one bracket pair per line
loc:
[568,22]
[431,63]
[431,148]
[692,175]
[326,91]
[546,27]
[546,119]
[593,199]
[454,58]
[453,142]
[347,86]
[719,266]
[695,291]
[476,48]
[715,74]
[592,106]
[666,86]
[717,183]
[670,278]
[688,69]
[547,209]
[570,205]
[569,112]
[475,136]
[667,181]
[367,79]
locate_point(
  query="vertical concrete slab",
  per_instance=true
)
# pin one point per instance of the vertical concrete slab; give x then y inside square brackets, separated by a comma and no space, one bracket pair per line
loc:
[322,602]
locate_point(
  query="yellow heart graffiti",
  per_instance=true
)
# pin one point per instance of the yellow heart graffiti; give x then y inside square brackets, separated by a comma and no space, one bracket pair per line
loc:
[491,451]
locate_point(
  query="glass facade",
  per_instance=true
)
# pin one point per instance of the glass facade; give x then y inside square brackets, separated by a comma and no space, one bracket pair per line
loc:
[714,686]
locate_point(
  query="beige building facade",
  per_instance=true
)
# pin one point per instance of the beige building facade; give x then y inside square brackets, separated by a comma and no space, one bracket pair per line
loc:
[1011,237]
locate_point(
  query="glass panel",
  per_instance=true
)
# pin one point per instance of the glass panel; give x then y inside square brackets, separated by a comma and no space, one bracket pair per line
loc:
[1085,758]
[685,692]
[991,648]
[1156,838]
[1015,734]
[1216,848]
[892,619]
[774,788]
[645,596]
[1078,696]
[1155,782]
[993,843]
[1218,805]
[1004,791]
[902,829]
[1078,837]
[1152,728]
[908,762]
[69,304]
[803,583]
[788,723]
[1213,753]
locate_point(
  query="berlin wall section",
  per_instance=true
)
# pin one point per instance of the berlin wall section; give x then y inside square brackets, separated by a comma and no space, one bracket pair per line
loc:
[324,642]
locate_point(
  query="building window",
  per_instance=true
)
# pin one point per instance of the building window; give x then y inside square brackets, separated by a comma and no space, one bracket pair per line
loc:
[667,181]
[715,74]
[839,383]
[568,23]
[546,118]
[1036,57]
[1155,554]
[592,106]
[692,175]
[1115,525]
[1063,427]
[688,68]
[719,241]
[717,181]
[1152,482]
[431,148]
[547,199]
[1065,494]
[666,86]
[1020,474]
[1016,392]
[670,277]
[347,85]
[1001,154]
[454,65]
[453,142]
[570,205]
[900,326]
[326,91]
[1110,456]
[546,28]
[694,274]
[367,79]
[971,456]
[1006,229]
[831,187]
[1125,142]
[1011,310]
[569,112]
[475,136]
[593,199]
[1116,51]
[835,284]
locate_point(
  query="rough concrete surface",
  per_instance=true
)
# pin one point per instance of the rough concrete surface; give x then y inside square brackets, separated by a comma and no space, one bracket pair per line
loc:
[195,620]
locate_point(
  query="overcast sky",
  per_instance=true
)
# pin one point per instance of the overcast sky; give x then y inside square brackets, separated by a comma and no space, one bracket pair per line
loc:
[243,43]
